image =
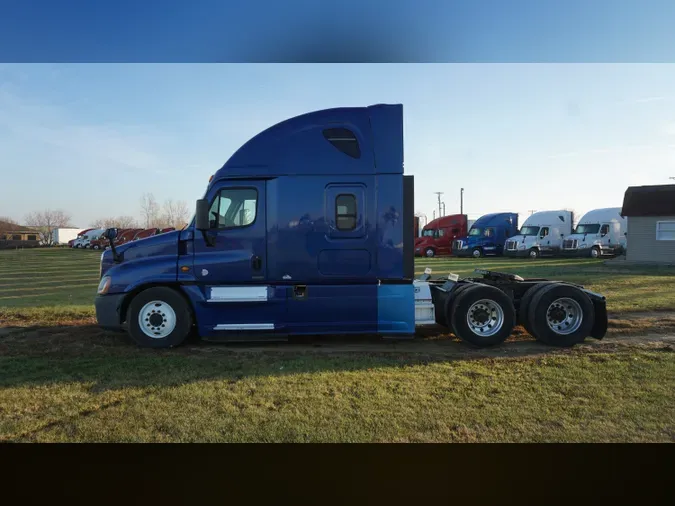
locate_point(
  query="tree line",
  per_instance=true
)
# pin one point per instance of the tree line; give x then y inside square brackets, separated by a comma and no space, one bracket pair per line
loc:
[172,213]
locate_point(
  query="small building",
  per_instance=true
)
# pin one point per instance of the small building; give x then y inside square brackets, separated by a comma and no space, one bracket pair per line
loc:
[650,215]
[17,236]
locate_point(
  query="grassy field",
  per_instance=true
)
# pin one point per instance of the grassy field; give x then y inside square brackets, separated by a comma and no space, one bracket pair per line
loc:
[78,383]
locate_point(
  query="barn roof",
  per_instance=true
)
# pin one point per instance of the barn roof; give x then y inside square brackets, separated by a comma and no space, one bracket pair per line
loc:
[656,200]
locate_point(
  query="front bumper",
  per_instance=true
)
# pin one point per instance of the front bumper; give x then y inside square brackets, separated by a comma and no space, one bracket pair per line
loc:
[108,311]
[521,253]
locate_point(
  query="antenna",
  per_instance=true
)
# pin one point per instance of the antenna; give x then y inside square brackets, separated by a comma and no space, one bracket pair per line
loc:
[439,202]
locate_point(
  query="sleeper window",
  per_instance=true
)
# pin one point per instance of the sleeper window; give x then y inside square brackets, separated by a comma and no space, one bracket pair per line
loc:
[234,208]
[345,212]
[344,140]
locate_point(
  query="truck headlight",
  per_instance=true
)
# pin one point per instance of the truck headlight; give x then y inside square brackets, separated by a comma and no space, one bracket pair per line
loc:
[104,285]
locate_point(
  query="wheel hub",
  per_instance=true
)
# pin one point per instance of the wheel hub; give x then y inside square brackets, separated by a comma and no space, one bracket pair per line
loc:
[157,319]
[564,316]
[485,317]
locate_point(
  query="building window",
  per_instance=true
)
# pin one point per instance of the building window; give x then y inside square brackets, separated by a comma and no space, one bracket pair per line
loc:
[345,212]
[32,237]
[234,208]
[16,237]
[665,230]
[344,140]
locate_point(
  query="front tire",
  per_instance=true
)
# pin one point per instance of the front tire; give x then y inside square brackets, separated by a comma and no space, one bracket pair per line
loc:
[483,315]
[429,253]
[561,315]
[159,317]
[477,253]
[534,253]
[595,252]
[96,246]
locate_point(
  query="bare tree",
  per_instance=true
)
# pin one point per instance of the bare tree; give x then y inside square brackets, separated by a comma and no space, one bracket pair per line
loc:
[149,210]
[175,214]
[46,221]
[7,224]
[117,222]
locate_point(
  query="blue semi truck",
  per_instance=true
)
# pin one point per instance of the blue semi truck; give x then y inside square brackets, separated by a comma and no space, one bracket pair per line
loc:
[308,229]
[487,236]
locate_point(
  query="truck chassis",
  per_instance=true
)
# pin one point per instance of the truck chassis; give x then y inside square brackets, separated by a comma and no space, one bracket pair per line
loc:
[483,310]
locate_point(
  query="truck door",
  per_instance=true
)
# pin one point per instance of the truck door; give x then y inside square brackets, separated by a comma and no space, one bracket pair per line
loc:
[605,237]
[232,271]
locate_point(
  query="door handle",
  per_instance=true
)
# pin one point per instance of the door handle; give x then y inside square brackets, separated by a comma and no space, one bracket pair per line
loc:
[256,262]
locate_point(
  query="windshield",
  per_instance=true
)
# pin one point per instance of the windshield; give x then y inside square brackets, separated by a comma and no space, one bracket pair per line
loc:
[476,231]
[588,229]
[428,232]
[529,231]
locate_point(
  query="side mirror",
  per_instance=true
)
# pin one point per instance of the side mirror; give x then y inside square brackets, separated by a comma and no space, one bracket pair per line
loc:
[110,233]
[202,221]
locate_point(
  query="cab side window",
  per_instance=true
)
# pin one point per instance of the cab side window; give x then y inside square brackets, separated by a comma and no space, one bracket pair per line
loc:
[544,232]
[489,232]
[604,230]
[234,208]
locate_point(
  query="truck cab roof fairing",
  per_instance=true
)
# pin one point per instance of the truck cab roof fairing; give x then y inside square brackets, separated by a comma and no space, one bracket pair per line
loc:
[298,145]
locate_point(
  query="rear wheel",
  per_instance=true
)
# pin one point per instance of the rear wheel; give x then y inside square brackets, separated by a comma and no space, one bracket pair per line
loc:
[525,302]
[561,315]
[482,315]
[159,317]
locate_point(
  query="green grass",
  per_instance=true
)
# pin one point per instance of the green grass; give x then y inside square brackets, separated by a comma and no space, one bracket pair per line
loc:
[122,394]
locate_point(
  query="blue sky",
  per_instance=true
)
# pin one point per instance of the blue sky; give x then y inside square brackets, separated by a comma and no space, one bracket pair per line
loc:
[91,138]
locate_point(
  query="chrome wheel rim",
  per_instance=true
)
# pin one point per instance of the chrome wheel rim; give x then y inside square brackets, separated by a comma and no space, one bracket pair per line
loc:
[564,316]
[485,318]
[595,253]
[533,254]
[476,253]
[430,253]
[157,319]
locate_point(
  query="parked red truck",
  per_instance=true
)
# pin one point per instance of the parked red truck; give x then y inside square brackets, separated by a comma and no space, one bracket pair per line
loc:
[438,235]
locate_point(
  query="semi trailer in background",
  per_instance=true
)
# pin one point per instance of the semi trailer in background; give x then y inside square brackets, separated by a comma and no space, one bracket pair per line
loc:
[600,232]
[487,236]
[542,234]
[258,263]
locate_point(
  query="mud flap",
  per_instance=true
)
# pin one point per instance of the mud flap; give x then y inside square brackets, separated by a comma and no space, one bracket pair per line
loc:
[600,326]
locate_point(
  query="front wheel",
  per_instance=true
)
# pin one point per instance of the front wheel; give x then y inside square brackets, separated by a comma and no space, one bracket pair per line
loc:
[159,317]
[595,252]
[429,252]
[534,253]
[477,253]
[96,246]
[482,315]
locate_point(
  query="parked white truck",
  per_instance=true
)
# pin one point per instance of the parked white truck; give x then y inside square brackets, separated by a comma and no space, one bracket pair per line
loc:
[542,234]
[600,232]
[83,242]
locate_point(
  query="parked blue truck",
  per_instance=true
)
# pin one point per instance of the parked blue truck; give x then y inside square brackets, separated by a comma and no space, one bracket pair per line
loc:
[308,229]
[487,236]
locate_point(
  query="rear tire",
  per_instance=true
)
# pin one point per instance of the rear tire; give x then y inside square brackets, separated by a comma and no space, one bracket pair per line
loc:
[561,315]
[483,315]
[447,309]
[525,302]
[159,317]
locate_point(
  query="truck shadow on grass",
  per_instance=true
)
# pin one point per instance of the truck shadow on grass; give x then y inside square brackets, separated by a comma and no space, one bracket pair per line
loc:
[104,360]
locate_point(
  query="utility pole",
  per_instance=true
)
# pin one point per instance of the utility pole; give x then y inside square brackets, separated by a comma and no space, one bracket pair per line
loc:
[461,201]
[439,202]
